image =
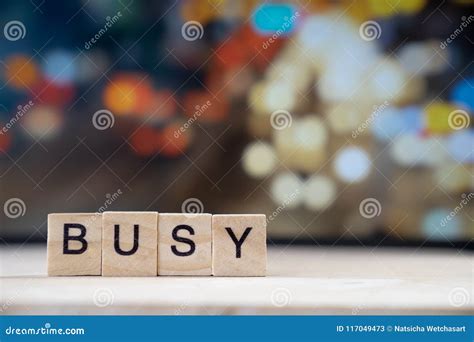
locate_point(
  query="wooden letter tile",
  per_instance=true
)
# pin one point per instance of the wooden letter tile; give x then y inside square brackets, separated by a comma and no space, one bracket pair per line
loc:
[184,244]
[129,243]
[74,244]
[239,245]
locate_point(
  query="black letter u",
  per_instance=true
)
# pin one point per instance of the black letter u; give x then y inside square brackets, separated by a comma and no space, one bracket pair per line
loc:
[117,241]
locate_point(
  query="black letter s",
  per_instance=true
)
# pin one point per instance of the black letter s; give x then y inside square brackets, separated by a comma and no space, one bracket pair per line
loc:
[192,245]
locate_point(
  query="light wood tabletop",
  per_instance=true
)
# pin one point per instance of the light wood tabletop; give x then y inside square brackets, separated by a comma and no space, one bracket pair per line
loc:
[300,280]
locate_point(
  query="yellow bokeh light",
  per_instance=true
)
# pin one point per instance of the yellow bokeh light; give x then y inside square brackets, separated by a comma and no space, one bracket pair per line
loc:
[437,117]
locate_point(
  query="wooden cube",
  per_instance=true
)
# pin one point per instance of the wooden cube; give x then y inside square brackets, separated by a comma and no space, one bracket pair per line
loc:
[129,243]
[74,244]
[184,244]
[239,245]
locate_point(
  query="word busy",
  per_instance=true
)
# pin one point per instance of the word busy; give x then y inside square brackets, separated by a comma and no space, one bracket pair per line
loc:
[151,243]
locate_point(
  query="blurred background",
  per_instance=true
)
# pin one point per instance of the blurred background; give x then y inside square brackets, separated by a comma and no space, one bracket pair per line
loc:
[345,122]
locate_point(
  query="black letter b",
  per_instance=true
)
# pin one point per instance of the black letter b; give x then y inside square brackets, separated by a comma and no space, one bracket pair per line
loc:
[80,238]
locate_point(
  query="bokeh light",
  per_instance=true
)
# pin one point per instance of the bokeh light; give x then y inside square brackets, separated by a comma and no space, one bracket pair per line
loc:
[128,93]
[440,225]
[463,93]
[319,192]
[21,72]
[5,142]
[352,164]
[60,67]
[42,122]
[259,159]
[287,189]
[366,91]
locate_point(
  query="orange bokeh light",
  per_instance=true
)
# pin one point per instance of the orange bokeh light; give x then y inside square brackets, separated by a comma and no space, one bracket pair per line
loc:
[232,53]
[146,141]
[261,47]
[128,93]
[201,11]
[175,140]
[21,72]
[162,105]
[5,142]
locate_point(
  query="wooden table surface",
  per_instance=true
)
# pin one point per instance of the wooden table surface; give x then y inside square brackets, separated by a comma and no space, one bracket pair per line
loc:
[301,280]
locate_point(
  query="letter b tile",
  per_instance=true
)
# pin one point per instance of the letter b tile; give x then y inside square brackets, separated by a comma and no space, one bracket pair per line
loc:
[74,244]
[129,243]
[239,245]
